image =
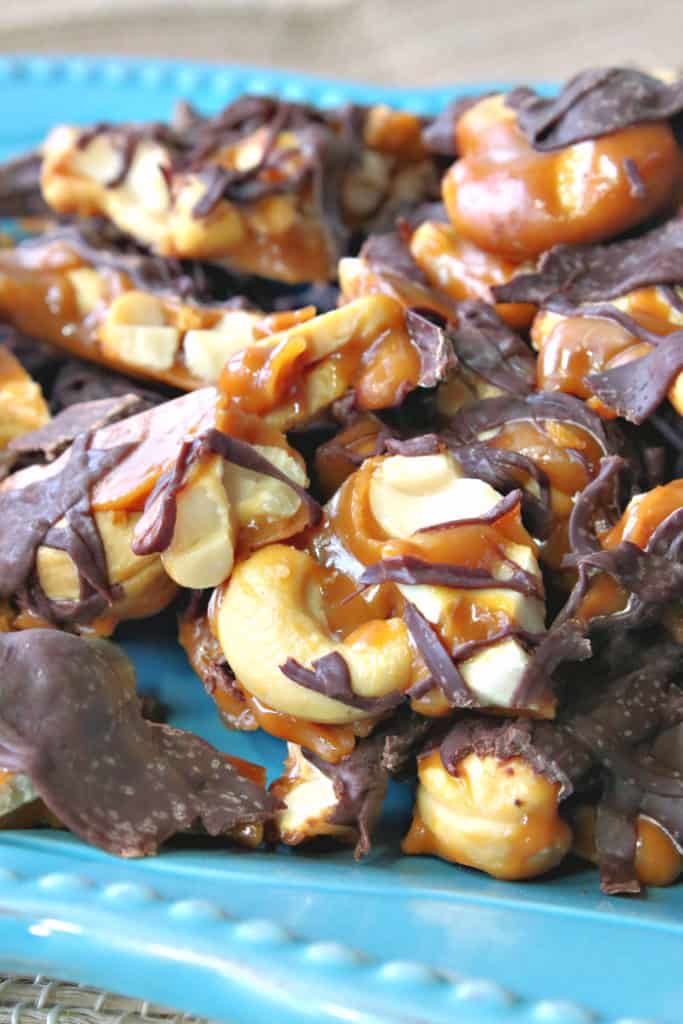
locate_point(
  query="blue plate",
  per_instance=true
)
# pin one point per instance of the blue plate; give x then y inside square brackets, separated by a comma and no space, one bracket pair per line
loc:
[292,936]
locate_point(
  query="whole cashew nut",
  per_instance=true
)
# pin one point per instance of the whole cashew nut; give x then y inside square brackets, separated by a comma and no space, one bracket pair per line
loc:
[498,816]
[271,610]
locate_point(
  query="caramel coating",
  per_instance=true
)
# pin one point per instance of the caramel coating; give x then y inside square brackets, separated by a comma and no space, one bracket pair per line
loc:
[511,200]
[52,293]
[463,271]
[500,817]
[573,347]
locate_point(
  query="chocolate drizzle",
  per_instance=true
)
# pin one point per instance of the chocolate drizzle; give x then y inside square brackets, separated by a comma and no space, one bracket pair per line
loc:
[71,721]
[154,531]
[28,519]
[594,103]
[330,676]
[82,418]
[411,571]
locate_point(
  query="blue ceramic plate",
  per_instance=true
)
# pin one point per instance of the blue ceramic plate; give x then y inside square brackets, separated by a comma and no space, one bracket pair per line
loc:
[291,936]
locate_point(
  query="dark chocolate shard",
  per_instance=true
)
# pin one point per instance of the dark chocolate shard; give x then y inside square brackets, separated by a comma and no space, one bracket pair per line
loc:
[330,676]
[29,514]
[20,193]
[443,670]
[241,453]
[78,382]
[360,779]
[390,251]
[485,344]
[502,469]
[502,508]
[412,571]
[576,274]
[547,749]
[595,103]
[636,389]
[424,444]
[71,721]
[438,136]
[565,641]
[82,418]
[434,346]
[597,499]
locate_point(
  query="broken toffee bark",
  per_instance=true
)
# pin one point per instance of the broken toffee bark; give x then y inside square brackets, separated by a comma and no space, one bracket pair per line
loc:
[266,186]
[120,782]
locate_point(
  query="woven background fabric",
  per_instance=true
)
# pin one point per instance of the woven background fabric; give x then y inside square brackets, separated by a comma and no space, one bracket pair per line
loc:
[395,42]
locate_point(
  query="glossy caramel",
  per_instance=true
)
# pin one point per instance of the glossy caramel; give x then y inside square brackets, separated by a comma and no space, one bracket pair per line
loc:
[514,201]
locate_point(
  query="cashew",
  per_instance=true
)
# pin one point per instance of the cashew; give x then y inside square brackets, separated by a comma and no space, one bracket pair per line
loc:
[409,493]
[277,593]
[149,348]
[202,237]
[88,288]
[498,816]
[146,587]
[309,798]
[99,160]
[201,552]
[136,309]
[256,496]
[207,351]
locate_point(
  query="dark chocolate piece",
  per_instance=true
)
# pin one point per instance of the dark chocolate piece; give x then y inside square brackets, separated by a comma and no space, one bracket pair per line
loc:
[330,677]
[71,721]
[424,444]
[390,251]
[502,508]
[593,499]
[360,779]
[501,469]
[28,516]
[439,135]
[485,344]
[154,530]
[570,275]
[594,103]
[434,346]
[637,388]
[85,417]
[77,382]
[20,193]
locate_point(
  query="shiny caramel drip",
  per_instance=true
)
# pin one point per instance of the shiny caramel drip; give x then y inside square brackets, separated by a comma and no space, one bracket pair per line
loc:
[512,200]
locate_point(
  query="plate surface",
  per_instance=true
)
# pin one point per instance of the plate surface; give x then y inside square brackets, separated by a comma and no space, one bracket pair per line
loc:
[291,936]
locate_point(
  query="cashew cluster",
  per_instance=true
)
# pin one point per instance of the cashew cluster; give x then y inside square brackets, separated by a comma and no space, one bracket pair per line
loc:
[510,199]
[95,312]
[279,234]
[220,508]
[302,605]
[500,817]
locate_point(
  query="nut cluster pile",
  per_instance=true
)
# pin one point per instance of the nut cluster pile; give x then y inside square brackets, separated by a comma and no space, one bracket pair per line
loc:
[390,409]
